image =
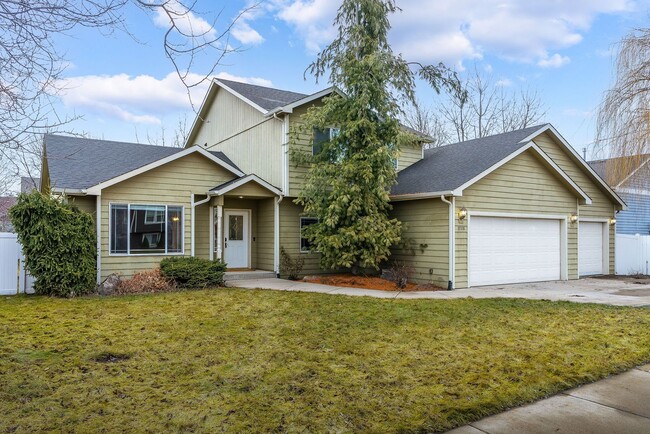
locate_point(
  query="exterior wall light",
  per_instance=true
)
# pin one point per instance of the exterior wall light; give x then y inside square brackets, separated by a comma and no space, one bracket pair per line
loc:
[573,218]
[612,221]
[462,213]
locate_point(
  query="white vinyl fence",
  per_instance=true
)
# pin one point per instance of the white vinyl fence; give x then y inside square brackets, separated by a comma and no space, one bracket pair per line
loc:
[632,254]
[13,278]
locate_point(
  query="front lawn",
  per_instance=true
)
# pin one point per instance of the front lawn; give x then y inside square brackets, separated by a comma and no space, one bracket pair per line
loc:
[245,360]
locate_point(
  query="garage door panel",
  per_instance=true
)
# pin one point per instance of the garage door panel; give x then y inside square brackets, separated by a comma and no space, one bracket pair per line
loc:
[590,248]
[513,250]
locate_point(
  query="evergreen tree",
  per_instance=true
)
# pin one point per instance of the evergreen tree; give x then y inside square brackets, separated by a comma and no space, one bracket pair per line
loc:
[349,178]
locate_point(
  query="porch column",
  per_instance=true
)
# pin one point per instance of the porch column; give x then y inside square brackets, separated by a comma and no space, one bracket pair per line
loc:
[220,229]
[276,235]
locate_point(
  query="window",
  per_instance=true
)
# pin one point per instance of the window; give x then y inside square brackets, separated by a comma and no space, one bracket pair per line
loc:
[323,136]
[145,229]
[305,245]
[391,146]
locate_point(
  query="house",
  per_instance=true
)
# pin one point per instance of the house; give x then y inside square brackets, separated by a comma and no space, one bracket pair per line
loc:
[6,202]
[516,207]
[630,178]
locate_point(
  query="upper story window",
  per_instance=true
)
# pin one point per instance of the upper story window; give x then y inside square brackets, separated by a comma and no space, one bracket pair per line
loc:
[323,136]
[393,160]
[145,229]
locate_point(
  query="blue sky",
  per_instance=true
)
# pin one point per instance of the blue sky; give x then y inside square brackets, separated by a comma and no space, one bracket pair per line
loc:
[125,88]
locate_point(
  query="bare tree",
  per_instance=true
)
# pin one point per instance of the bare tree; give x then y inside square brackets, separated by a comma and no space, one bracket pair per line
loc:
[426,121]
[623,122]
[481,108]
[177,139]
[31,65]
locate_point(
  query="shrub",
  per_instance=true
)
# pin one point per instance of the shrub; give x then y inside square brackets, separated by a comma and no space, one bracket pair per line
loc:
[288,266]
[146,281]
[398,273]
[58,243]
[190,272]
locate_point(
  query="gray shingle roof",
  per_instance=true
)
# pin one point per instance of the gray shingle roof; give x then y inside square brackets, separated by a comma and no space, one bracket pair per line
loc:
[448,167]
[79,163]
[265,97]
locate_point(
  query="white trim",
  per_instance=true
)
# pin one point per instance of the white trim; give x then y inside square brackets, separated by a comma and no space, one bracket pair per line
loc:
[249,213]
[634,191]
[245,180]
[285,155]
[219,234]
[187,151]
[212,234]
[531,145]
[451,239]
[193,220]
[564,235]
[98,221]
[128,238]
[300,237]
[605,235]
[417,196]
[579,159]
[70,191]
[198,114]
[309,98]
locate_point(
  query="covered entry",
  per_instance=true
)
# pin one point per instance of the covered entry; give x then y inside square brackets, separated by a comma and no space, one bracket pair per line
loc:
[505,249]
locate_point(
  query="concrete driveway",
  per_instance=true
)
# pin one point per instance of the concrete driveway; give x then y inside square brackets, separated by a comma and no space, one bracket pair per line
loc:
[618,291]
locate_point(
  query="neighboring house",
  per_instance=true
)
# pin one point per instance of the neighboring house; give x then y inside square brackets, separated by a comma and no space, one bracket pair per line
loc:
[633,186]
[6,202]
[29,184]
[502,209]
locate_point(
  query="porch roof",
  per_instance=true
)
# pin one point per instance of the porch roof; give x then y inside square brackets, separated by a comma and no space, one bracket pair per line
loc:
[230,186]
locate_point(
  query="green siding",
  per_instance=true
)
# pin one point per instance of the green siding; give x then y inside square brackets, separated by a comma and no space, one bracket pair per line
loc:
[524,185]
[170,184]
[425,222]
[265,231]
[601,207]
[202,230]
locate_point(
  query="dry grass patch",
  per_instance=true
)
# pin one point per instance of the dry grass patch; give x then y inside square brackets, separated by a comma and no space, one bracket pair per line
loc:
[243,360]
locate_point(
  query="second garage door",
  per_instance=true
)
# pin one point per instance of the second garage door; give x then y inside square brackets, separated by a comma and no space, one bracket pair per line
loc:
[590,248]
[513,250]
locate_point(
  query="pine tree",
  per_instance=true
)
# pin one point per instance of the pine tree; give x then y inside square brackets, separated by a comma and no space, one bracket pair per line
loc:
[349,178]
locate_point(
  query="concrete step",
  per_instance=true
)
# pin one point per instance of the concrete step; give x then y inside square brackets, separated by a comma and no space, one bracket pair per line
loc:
[244,275]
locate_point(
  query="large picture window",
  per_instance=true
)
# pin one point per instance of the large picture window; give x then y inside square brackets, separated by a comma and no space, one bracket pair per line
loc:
[146,229]
[305,245]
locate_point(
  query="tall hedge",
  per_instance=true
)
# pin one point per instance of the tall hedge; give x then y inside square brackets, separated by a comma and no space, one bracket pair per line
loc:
[58,243]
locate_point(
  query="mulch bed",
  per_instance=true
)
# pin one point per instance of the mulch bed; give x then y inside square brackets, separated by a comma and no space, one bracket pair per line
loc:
[367,282]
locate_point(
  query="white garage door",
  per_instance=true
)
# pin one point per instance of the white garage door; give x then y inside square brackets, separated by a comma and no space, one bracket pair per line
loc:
[513,250]
[590,248]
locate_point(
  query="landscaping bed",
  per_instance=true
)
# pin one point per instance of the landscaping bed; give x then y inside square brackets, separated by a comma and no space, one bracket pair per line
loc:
[230,360]
[367,282]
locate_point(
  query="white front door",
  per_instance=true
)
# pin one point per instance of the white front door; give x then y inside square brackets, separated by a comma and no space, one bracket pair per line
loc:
[590,248]
[513,250]
[236,238]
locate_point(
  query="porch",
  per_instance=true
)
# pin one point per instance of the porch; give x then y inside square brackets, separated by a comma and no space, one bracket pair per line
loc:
[238,222]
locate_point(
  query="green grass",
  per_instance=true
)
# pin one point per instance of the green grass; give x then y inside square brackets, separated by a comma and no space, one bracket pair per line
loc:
[245,360]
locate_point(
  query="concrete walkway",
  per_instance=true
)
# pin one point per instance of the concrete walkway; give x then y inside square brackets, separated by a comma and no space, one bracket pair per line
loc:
[590,290]
[618,404]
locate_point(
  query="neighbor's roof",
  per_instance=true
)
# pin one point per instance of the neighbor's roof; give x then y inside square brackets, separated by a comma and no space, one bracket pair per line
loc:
[266,97]
[78,163]
[29,184]
[631,166]
[446,168]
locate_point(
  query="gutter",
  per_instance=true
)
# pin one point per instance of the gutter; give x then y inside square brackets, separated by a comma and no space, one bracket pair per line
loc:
[452,240]
[194,205]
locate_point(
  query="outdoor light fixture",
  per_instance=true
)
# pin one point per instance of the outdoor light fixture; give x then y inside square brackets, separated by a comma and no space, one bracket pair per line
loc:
[241,197]
[175,218]
[462,213]
[573,218]
[612,221]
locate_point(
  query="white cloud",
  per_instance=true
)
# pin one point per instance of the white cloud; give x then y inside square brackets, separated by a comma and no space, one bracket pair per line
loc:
[504,82]
[187,21]
[555,61]
[457,30]
[244,33]
[139,99]
[251,80]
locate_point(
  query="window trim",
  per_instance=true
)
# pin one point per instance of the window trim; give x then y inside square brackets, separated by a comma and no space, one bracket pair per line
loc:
[128,239]
[300,237]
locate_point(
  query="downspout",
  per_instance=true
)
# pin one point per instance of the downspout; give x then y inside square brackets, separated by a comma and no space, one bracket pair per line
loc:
[98,222]
[452,242]
[194,205]
[284,151]
[276,235]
